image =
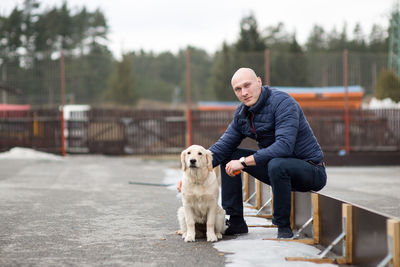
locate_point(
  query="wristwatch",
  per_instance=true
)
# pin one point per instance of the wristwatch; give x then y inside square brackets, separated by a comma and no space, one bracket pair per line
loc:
[242,160]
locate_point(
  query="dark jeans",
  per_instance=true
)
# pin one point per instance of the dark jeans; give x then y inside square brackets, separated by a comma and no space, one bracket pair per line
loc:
[282,174]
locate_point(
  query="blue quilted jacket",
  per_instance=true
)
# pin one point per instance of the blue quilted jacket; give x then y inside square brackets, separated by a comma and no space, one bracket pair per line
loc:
[278,125]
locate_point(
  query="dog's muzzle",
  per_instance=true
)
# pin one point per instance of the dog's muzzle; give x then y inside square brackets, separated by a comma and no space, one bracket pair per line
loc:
[193,163]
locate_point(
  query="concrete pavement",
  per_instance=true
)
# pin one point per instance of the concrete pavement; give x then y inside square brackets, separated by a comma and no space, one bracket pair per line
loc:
[82,211]
[375,188]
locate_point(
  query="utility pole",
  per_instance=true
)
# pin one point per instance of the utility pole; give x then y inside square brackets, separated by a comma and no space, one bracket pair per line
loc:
[189,133]
[346,102]
[62,80]
[4,78]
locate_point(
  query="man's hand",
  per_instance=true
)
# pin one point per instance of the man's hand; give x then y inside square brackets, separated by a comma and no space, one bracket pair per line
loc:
[233,167]
[179,186]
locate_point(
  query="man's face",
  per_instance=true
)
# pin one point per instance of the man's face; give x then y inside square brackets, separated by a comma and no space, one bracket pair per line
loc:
[247,87]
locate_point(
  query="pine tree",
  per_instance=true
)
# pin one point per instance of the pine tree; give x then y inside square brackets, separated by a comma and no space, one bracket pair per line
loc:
[316,40]
[122,83]
[222,73]
[249,39]
[388,86]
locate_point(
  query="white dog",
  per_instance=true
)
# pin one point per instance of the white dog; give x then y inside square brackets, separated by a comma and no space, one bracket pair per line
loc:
[200,193]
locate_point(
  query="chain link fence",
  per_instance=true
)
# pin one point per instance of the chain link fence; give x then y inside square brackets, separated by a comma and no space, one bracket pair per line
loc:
[160,127]
[38,81]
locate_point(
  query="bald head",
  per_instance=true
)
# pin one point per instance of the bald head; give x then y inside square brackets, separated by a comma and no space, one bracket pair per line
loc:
[246,85]
[243,73]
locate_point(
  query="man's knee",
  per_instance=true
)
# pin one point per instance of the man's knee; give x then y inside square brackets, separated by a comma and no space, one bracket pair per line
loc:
[277,168]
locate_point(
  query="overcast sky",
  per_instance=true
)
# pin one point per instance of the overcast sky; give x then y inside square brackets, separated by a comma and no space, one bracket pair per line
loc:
[161,25]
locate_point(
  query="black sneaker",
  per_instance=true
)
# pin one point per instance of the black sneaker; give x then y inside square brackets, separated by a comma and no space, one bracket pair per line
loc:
[236,228]
[284,232]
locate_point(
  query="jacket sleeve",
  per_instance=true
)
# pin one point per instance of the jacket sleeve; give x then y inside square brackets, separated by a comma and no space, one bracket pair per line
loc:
[226,144]
[286,128]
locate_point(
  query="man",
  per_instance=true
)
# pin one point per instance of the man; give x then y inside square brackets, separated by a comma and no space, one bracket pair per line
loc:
[289,158]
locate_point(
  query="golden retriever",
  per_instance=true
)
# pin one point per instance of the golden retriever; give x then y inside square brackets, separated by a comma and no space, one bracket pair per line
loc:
[200,191]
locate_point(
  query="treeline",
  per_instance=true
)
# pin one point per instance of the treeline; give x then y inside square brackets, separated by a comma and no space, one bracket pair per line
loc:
[162,76]
[31,40]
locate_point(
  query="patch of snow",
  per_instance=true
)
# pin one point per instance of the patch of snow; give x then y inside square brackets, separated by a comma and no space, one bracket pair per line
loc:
[381,104]
[27,153]
[173,176]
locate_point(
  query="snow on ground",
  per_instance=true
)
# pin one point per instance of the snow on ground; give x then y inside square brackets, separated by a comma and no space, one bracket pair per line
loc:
[172,177]
[27,153]
[378,104]
[250,249]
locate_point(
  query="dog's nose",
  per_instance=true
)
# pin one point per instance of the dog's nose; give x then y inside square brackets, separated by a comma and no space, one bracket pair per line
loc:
[192,161]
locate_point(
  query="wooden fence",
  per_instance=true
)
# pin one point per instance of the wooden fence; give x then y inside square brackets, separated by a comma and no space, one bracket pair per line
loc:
[39,129]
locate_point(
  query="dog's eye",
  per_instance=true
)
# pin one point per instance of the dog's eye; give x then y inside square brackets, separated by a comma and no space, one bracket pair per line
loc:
[189,153]
[200,153]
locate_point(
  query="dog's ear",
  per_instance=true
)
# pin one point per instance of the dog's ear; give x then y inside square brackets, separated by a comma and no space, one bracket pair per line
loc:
[183,160]
[209,160]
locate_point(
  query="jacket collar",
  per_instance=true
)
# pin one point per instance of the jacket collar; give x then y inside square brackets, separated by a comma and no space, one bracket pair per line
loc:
[265,93]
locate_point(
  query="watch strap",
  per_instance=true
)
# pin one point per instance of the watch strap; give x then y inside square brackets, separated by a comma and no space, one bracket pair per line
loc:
[242,160]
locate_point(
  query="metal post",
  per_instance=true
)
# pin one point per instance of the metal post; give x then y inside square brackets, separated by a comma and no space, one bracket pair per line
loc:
[4,78]
[346,102]
[266,65]
[62,78]
[189,136]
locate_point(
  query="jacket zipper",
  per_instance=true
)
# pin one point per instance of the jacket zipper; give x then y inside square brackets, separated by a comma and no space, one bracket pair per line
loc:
[251,123]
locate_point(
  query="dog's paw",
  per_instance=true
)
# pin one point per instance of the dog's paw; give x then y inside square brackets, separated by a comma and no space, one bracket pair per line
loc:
[189,238]
[219,235]
[211,237]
